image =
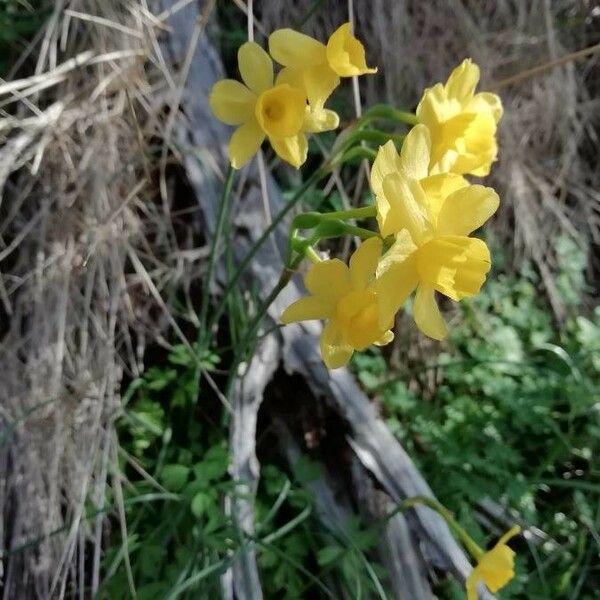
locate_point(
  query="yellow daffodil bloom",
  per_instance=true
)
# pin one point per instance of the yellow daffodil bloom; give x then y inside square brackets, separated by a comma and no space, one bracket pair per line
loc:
[317,67]
[346,297]
[495,568]
[462,123]
[431,219]
[261,109]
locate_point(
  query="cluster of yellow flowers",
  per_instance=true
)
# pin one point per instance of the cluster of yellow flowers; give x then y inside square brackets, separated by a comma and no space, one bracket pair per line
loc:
[425,207]
[426,210]
[276,107]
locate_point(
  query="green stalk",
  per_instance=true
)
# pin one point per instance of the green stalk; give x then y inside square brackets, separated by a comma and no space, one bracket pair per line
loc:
[231,285]
[385,111]
[224,206]
[475,551]
[361,232]
[364,212]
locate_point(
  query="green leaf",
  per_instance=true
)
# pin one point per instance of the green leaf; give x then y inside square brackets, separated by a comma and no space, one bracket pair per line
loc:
[201,502]
[329,554]
[174,477]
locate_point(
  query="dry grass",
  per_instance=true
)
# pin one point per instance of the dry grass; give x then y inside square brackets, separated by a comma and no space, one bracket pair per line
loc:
[79,220]
[90,250]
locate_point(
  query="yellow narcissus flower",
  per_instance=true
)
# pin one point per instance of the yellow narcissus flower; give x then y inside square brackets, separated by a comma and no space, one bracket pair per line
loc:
[495,568]
[347,299]
[462,123]
[317,67]
[431,219]
[261,109]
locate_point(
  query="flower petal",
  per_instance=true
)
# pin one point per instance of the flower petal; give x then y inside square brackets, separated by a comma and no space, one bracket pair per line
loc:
[320,82]
[256,67]
[293,76]
[393,288]
[437,188]
[307,309]
[407,208]
[471,584]
[466,210]
[387,161]
[328,280]
[294,49]
[244,143]
[364,262]
[280,110]
[398,252]
[486,102]
[416,152]
[454,265]
[462,81]
[434,107]
[345,54]
[318,120]
[293,149]
[427,314]
[385,339]
[231,101]
[335,352]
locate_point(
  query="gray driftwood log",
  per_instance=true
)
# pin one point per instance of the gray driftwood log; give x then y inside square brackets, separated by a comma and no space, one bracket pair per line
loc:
[422,536]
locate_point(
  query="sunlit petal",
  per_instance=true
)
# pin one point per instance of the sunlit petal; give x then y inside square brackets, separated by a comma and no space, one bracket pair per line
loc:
[454,265]
[345,54]
[328,280]
[292,149]
[437,188]
[393,288]
[244,143]
[306,309]
[416,152]
[293,49]
[387,161]
[319,120]
[462,81]
[407,208]
[256,67]
[364,262]
[231,102]
[466,210]
[427,314]
[335,351]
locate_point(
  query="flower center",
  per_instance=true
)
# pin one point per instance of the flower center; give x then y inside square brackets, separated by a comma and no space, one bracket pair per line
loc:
[358,315]
[280,111]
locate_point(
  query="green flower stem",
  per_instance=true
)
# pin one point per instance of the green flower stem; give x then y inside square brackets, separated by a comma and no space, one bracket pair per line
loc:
[253,326]
[361,232]
[374,135]
[309,252]
[232,283]
[224,207]
[358,152]
[385,111]
[364,212]
[468,542]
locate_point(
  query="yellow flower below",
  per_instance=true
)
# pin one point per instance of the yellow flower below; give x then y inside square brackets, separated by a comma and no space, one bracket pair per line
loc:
[261,109]
[346,298]
[462,124]
[495,568]
[316,67]
[430,218]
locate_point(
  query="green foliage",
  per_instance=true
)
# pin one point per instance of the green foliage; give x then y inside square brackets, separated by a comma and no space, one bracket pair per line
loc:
[179,537]
[514,417]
